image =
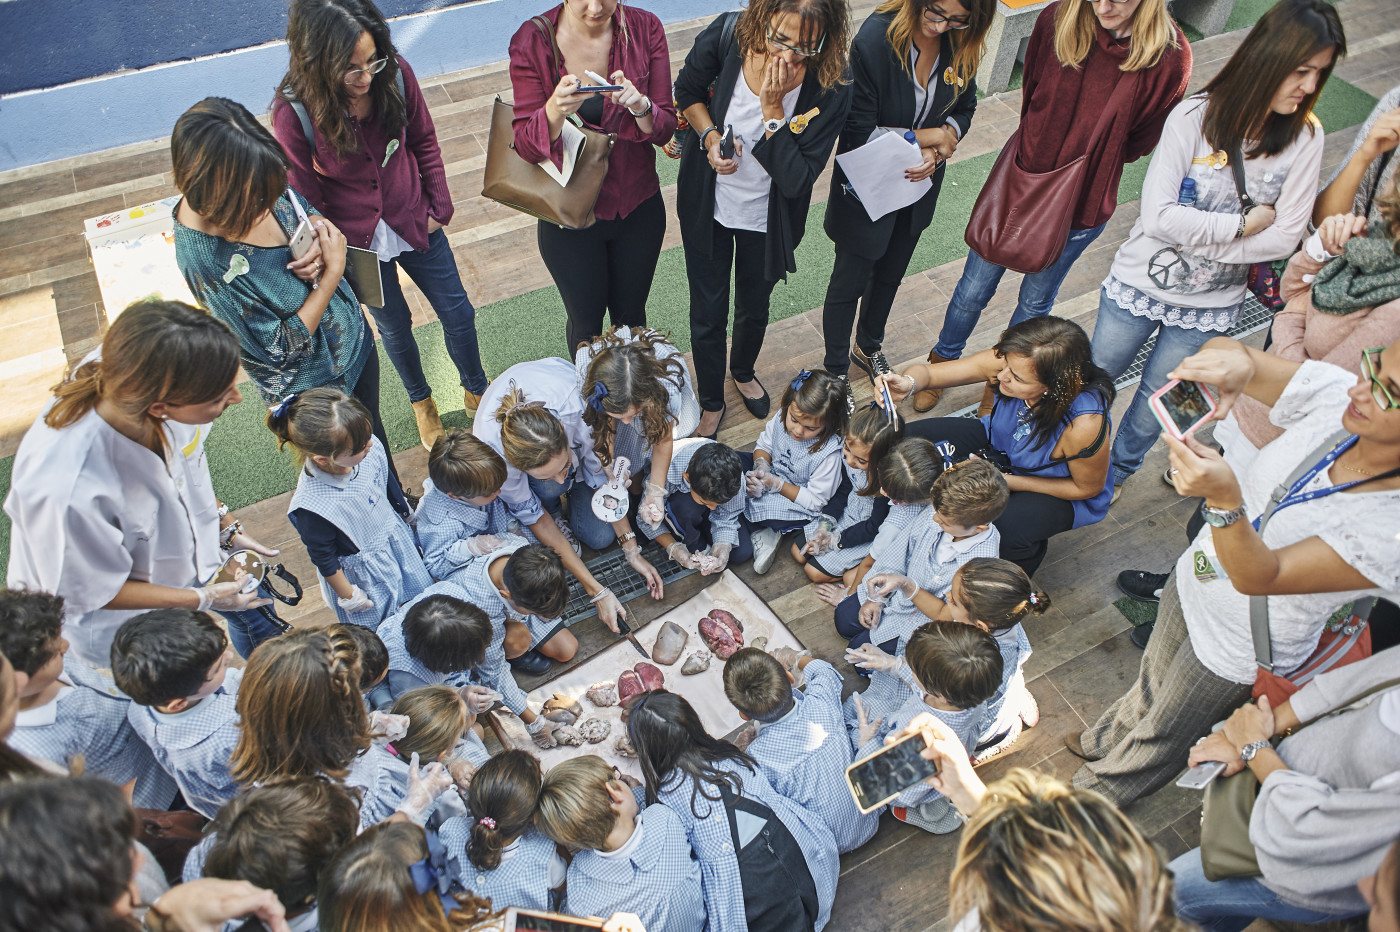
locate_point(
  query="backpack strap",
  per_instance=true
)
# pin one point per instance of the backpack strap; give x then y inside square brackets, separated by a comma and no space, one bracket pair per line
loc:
[304,118]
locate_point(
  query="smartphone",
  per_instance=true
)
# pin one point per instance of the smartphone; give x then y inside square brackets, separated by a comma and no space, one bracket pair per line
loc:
[600,85]
[879,778]
[1182,407]
[1200,776]
[533,920]
[301,239]
[726,143]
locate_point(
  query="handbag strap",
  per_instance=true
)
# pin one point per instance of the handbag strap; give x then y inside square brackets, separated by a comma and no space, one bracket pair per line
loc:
[1247,203]
[547,28]
[1083,454]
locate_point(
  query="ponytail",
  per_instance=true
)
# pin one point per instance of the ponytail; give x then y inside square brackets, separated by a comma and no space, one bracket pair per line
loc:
[530,433]
[503,797]
[997,593]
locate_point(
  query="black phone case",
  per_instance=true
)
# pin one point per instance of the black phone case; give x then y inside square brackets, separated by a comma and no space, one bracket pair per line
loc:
[726,143]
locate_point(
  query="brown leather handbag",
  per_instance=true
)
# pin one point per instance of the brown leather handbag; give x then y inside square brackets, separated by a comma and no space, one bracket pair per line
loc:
[1022,218]
[510,180]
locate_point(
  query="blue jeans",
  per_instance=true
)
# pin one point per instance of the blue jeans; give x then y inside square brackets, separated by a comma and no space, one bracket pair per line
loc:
[1232,904]
[250,627]
[435,273]
[979,283]
[1118,335]
[591,531]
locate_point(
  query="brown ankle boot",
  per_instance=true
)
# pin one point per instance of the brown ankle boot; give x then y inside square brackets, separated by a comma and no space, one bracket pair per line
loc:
[926,399]
[989,399]
[425,413]
[471,401]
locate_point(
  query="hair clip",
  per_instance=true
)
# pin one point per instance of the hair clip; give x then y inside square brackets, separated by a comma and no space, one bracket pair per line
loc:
[802,376]
[280,409]
[595,400]
[425,876]
[487,821]
[945,449]
[1032,598]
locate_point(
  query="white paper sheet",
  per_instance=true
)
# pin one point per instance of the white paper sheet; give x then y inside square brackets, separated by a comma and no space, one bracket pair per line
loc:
[572,138]
[876,172]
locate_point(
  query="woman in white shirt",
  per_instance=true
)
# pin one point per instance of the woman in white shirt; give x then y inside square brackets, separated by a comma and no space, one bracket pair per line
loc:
[111,501]
[1183,271]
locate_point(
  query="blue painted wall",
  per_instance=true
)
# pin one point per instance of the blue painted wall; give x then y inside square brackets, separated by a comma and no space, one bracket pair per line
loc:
[55,122]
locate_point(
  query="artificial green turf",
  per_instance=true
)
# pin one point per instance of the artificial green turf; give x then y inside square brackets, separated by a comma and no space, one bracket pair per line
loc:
[1137,613]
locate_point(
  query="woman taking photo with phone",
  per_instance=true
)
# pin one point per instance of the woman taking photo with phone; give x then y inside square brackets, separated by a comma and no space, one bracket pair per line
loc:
[364,152]
[912,67]
[1182,273]
[608,267]
[777,74]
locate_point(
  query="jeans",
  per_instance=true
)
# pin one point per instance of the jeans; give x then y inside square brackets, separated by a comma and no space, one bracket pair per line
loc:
[434,271]
[1232,904]
[871,282]
[690,524]
[1118,335]
[742,252]
[979,283]
[591,531]
[250,627]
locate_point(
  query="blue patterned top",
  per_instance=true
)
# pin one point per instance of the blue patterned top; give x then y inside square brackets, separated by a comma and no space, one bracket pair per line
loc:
[523,876]
[194,746]
[724,520]
[445,525]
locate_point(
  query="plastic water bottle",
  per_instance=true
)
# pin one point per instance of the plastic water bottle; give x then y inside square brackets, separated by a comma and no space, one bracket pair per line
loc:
[1187,196]
[909,135]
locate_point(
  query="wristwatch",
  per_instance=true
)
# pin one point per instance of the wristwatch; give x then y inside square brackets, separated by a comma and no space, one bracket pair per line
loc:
[773,126]
[1254,747]
[1216,517]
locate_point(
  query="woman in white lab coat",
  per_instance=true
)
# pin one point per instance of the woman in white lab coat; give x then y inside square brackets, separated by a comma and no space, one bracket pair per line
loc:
[111,500]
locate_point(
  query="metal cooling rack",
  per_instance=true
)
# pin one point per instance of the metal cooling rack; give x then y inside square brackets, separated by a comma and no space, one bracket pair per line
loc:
[611,570]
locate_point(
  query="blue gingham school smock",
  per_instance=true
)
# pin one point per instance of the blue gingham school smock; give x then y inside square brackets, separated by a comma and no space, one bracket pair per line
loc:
[388,567]
[1015,649]
[194,746]
[445,524]
[858,508]
[383,781]
[796,463]
[521,880]
[724,520]
[406,671]
[900,517]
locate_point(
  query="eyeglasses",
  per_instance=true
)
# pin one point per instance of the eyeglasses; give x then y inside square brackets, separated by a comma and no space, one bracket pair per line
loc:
[802,53]
[935,16]
[1370,368]
[372,68]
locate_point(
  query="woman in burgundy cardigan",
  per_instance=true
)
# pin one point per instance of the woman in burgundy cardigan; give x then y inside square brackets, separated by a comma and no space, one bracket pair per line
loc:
[609,266]
[1080,51]
[364,152]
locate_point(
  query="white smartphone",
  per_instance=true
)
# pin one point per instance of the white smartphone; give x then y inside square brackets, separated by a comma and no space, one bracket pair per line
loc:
[1200,776]
[301,239]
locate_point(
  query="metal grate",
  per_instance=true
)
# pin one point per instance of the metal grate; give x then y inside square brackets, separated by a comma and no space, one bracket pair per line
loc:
[611,570]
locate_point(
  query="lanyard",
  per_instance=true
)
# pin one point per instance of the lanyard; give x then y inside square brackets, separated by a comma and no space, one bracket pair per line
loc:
[1295,496]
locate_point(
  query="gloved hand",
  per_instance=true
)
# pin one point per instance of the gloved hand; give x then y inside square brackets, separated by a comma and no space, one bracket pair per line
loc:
[791,660]
[228,597]
[883,585]
[478,698]
[681,554]
[483,544]
[652,510]
[542,730]
[645,570]
[423,789]
[388,725]
[358,601]
[716,559]
[760,485]
[823,540]
[865,729]
[870,657]
[870,614]
[609,608]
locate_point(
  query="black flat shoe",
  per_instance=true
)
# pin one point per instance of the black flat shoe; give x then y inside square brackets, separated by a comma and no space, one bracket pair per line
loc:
[722,408]
[1140,586]
[1141,634]
[532,662]
[758,407]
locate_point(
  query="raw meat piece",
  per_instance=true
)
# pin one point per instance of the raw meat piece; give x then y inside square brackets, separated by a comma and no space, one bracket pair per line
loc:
[727,619]
[562,709]
[670,643]
[697,662]
[719,638]
[568,735]
[602,694]
[652,678]
[629,684]
[624,748]
[510,731]
[595,730]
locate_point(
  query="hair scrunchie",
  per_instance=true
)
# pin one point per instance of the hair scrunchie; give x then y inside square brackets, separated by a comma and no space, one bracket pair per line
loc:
[595,399]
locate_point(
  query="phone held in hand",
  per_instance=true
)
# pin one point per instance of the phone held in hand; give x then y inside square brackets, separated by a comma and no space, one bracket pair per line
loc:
[518,919]
[1182,407]
[600,85]
[301,239]
[881,777]
[1200,776]
[726,143]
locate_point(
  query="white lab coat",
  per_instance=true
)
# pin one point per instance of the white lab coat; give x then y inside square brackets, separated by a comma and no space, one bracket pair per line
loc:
[92,508]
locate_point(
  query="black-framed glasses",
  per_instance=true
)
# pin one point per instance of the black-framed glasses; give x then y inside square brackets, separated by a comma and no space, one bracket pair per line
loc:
[935,16]
[801,52]
[1371,368]
[371,69]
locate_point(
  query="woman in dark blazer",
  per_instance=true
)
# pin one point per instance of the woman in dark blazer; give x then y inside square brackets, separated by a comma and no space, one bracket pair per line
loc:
[912,67]
[777,72]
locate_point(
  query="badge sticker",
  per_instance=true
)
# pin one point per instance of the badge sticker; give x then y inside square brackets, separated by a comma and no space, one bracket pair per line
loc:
[950,77]
[798,124]
[1202,567]
[238,265]
[389,151]
[1216,160]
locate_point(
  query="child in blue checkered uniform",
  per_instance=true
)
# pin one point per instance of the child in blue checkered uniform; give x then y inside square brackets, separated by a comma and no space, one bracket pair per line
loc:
[374,668]
[795,467]
[703,527]
[461,515]
[366,556]
[955,669]
[173,663]
[68,710]
[440,638]
[630,857]
[440,727]
[497,852]
[801,744]
[766,862]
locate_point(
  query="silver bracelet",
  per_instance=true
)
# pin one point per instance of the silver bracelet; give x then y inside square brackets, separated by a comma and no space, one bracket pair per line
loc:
[645,110]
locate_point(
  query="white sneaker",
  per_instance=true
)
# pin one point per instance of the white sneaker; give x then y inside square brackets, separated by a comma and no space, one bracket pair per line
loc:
[568,533]
[765,549]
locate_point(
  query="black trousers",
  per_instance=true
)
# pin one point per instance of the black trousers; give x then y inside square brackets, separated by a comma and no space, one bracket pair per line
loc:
[366,390]
[871,283]
[741,251]
[690,524]
[1030,518]
[606,268]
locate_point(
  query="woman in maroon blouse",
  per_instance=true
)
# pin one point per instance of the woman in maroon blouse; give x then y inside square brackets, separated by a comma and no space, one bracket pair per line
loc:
[364,152]
[609,266]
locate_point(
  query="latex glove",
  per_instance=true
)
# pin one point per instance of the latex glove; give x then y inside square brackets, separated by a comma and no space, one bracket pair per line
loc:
[204,905]
[870,657]
[388,725]
[542,730]
[228,597]
[609,609]
[824,540]
[955,778]
[883,585]
[652,510]
[865,729]
[424,787]
[483,544]
[358,601]
[791,659]
[759,485]
[869,615]
[834,593]
[245,541]
[478,698]
[624,922]
[644,569]
[716,559]
[679,553]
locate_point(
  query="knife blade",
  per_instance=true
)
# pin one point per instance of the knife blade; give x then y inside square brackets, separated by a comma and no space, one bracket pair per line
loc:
[626,632]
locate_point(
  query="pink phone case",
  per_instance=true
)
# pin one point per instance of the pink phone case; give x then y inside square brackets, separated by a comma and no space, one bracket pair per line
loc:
[1159,408]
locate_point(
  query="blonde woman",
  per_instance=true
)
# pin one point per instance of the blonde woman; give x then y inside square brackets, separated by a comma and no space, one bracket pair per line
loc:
[1080,53]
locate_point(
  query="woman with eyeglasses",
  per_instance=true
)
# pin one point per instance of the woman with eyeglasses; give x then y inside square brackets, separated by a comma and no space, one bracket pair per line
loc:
[1182,274]
[912,65]
[776,75]
[1330,540]
[1123,60]
[364,152]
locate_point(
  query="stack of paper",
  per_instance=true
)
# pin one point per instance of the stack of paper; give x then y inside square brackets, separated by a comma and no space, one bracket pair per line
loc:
[876,172]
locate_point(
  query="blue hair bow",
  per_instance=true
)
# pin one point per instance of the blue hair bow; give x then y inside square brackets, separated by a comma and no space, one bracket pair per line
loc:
[595,400]
[945,449]
[280,409]
[802,376]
